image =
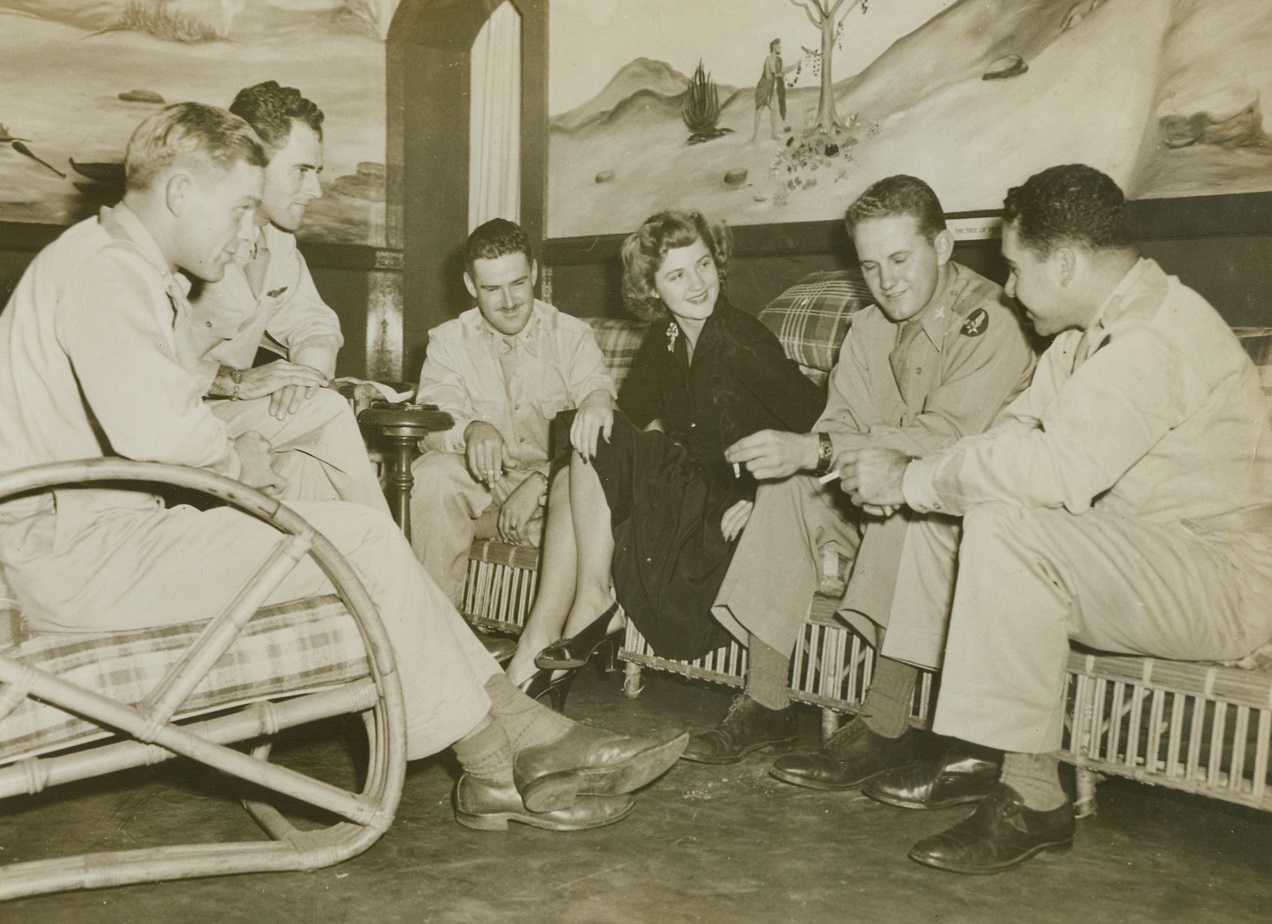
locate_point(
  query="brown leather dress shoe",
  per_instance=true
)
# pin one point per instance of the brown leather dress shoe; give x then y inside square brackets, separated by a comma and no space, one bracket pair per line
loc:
[594,762]
[850,757]
[747,727]
[955,778]
[1000,834]
[488,806]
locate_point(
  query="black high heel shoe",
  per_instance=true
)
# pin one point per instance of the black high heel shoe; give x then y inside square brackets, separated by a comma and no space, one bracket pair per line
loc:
[573,652]
[540,683]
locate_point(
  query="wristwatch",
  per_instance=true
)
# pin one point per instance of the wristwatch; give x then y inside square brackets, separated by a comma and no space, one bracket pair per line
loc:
[825,453]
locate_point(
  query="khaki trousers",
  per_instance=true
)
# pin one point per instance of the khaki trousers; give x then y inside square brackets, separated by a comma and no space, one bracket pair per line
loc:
[89,567]
[777,568]
[319,449]
[449,510]
[1029,580]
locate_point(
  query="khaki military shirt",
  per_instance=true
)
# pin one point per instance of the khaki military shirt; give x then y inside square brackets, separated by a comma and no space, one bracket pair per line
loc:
[557,365]
[1155,412]
[946,380]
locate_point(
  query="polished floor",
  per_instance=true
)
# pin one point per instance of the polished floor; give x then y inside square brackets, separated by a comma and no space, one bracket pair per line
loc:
[705,844]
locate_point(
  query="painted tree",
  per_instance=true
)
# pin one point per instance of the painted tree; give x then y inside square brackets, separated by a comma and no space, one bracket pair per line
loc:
[828,16]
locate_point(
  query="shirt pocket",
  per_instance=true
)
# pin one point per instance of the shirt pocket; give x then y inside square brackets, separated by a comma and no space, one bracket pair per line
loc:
[554,404]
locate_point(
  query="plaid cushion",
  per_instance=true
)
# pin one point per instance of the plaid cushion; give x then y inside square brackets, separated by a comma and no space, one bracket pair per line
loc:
[287,648]
[619,340]
[812,317]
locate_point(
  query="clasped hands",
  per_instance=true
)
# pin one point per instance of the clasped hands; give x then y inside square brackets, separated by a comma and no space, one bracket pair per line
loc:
[870,477]
[288,385]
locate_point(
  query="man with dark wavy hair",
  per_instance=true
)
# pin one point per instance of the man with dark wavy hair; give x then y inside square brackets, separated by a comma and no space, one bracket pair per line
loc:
[267,299]
[503,369]
[1124,500]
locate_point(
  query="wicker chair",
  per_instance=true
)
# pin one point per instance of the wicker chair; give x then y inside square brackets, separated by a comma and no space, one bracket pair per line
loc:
[84,705]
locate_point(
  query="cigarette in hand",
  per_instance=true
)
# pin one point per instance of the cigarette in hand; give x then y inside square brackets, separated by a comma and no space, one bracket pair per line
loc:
[737,470]
[828,478]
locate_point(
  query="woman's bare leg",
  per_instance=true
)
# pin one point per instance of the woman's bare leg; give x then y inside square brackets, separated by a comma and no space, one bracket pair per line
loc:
[594,542]
[557,576]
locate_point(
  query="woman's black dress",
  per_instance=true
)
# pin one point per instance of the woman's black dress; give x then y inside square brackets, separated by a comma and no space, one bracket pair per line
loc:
[668,491]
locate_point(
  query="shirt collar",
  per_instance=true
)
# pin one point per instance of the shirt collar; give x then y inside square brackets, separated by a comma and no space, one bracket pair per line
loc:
[936,319]
[527,341]
[121,223]
[1110,310]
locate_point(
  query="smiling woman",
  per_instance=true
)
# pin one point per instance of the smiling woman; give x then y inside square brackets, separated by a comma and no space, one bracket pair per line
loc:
[653,505]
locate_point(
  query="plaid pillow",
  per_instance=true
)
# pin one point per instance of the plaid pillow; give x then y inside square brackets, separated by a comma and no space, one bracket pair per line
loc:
[286,648]
[812,317]
[619,340]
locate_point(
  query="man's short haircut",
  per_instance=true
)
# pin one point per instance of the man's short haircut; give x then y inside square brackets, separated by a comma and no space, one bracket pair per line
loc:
[898,195]
[496,238]
[773,44]
[645,249]
[204,137]
[271,110]
[1070,204]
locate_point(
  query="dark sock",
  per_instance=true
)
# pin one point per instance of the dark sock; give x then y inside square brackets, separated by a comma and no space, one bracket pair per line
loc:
[485,753]
[525,721]
[766,675]
[1036,777]
[886,710]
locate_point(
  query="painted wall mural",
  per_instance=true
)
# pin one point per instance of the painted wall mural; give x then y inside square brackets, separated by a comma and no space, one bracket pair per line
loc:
[659,103]
[79,75]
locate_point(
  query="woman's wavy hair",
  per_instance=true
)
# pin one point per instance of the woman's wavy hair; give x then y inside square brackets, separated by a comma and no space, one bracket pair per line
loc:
[645,250]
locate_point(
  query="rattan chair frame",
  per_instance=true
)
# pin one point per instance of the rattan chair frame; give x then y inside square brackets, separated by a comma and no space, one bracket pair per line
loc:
[148,732]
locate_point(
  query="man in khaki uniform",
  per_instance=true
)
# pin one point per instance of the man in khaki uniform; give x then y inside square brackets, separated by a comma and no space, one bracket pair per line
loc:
[267,298]
[934,360]
[1123,500]
[503,369]
[92,366]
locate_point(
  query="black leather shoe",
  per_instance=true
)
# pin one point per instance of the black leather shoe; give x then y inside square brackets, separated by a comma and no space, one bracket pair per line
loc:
[851,756]
[1000,834]
[958,776]
[746,727]
[488,806]
[573,652]
[592,762]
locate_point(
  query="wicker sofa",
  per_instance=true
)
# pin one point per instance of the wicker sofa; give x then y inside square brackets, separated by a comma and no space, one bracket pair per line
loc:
[1199,727]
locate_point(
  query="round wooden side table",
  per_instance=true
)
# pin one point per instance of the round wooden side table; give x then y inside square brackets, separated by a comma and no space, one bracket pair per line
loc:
[401,427]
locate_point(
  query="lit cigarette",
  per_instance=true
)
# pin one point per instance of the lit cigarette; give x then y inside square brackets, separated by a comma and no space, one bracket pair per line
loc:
[828,478]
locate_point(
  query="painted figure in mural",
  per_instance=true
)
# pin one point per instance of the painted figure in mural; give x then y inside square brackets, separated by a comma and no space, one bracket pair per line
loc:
[1123,500]
[934,359]
[267,299]
[503,370]
[772,84]
[648,499]
[94,366]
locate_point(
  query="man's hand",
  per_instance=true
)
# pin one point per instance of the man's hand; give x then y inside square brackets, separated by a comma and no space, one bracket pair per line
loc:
[772,454]
[486,452]
[522,505]
[735,519]
[872,478]
[594,419]
[257,468]
[288,385]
